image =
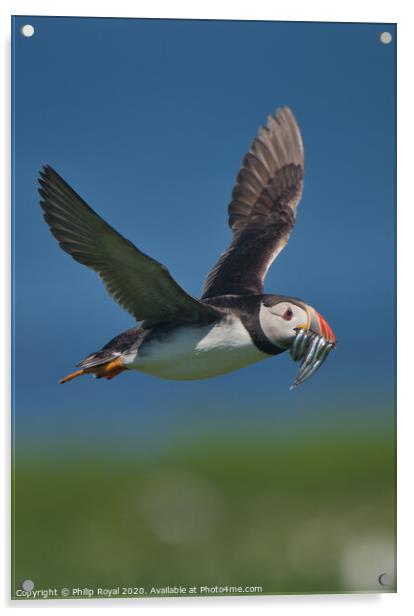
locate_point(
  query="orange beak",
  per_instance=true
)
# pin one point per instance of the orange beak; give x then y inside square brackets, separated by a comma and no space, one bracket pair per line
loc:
[320,326]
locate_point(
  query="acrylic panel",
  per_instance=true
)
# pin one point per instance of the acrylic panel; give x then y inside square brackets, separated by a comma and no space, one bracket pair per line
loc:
[189,465]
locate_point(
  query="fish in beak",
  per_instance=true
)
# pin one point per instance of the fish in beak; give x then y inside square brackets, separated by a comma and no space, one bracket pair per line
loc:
[312,345]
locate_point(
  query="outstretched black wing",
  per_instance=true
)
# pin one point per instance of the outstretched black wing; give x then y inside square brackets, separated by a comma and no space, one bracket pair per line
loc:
[137,282]
[263,207]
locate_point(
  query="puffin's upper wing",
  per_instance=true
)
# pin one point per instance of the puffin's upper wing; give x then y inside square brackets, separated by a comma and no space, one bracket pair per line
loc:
[263,207]
[137,282]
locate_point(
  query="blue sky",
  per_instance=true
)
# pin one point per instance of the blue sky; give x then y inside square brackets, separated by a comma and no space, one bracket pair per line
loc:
[149,121]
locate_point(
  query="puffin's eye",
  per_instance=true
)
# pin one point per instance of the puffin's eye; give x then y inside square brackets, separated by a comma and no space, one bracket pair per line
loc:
[288,314]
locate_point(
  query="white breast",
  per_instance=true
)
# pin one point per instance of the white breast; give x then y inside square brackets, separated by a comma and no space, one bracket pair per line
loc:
[198,352]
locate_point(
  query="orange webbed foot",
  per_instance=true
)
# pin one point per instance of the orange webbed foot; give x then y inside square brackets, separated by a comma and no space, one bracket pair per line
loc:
[107,371]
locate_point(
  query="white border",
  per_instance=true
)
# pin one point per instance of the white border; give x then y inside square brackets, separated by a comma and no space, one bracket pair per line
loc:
[299,10]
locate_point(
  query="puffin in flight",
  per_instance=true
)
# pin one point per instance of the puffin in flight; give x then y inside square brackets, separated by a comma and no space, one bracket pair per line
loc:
[235,323]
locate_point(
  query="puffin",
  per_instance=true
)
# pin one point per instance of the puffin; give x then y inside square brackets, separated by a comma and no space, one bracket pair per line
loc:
[234,323]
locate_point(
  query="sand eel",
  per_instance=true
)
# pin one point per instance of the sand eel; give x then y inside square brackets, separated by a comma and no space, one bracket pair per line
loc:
[234,324]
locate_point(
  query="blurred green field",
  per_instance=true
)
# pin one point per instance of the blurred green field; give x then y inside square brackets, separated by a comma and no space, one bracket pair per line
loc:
[314,514]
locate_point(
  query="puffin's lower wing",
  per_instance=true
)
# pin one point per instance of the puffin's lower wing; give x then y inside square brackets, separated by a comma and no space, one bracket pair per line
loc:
[263,207]
[137,282]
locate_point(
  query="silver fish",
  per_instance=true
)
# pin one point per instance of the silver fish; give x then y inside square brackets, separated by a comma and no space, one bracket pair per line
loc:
[312,349]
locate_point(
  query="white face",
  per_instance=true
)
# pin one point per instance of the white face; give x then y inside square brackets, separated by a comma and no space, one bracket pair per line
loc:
[279,322]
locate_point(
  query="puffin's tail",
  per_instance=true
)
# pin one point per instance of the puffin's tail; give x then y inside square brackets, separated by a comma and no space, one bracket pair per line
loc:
[107,370]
